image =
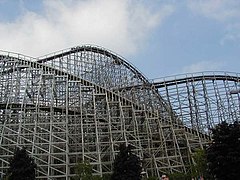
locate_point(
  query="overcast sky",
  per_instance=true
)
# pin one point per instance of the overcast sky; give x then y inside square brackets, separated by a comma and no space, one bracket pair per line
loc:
[159,37]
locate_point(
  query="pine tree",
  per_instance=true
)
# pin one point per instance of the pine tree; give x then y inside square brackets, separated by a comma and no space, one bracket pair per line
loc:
[223,155]
[127,166]
[22,166]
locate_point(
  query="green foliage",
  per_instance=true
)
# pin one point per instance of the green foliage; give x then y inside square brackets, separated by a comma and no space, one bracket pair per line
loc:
[22,166]
[180,176]
[196,170]
[127,166]
[223,155]
[201,161]
[201,167]
[84,172]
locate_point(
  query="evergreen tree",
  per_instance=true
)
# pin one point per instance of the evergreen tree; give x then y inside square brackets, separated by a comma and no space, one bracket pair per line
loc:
[223,155]
[22,166]
[127,166]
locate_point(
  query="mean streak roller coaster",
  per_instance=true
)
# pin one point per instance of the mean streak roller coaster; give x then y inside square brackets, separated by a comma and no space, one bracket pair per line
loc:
[80,104]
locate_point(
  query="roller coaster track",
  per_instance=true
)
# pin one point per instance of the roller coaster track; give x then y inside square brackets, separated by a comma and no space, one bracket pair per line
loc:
[161,84]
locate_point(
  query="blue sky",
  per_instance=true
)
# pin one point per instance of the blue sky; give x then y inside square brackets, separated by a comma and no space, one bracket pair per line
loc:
[160,37]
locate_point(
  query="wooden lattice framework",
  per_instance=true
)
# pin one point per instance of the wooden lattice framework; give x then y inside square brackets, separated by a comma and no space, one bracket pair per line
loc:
[80,104]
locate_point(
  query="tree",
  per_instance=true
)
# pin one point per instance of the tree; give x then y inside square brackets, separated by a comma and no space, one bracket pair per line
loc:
[84,172]
[200,168]
[223,155]
[127,166]
[22,166]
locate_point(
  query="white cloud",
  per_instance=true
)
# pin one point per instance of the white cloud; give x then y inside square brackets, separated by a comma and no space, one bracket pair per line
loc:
[121,26]
[203,66]
[221,10]
[224,11]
